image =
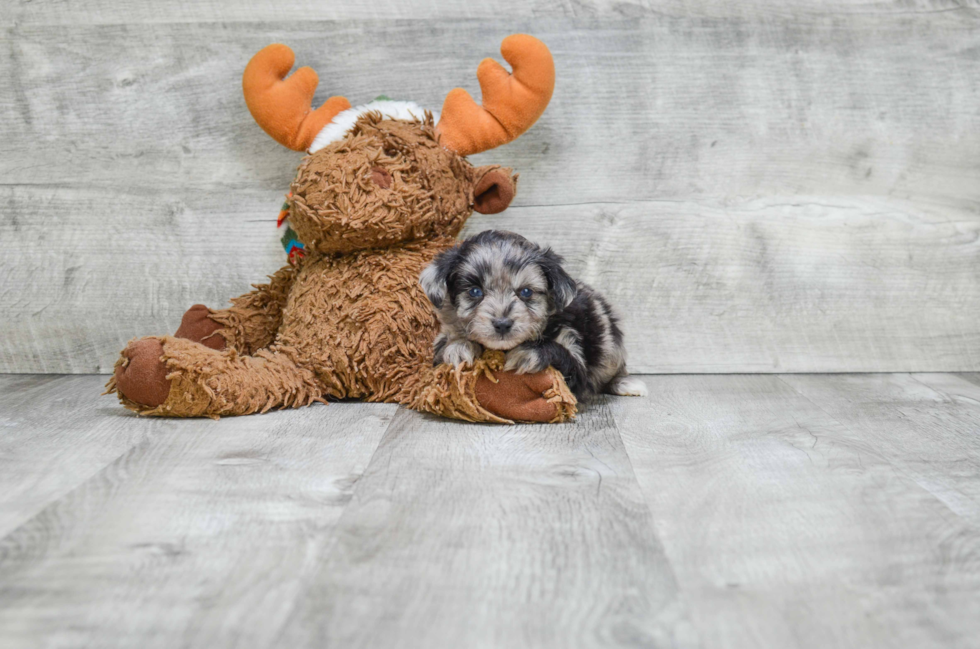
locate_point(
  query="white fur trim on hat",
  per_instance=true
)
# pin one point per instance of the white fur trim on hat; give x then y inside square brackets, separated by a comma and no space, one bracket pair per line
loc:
[339,125]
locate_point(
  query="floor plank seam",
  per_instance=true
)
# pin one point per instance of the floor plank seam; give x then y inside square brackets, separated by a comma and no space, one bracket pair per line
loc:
[329,546]
[684,596]
[900,468]
[54,504]
[82,483]
[957,375]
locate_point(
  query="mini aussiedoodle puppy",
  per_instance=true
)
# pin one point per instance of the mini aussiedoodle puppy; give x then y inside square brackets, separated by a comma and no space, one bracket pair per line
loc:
[497,290]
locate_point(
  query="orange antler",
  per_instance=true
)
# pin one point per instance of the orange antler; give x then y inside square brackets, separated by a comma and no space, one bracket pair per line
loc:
[283,107]
[511,102]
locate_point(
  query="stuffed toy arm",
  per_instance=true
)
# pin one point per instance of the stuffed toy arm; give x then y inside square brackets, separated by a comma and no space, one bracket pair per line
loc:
[250,324]
[486,393]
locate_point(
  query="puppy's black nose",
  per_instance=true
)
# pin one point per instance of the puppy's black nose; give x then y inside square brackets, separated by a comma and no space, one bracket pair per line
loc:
[502,325]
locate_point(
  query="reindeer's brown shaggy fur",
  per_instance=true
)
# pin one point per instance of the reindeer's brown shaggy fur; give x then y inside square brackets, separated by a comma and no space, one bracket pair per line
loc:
[351,320]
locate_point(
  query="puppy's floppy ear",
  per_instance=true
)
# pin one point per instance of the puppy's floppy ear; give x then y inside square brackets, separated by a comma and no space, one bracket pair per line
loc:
[563,288]
[495,188]
[434,279]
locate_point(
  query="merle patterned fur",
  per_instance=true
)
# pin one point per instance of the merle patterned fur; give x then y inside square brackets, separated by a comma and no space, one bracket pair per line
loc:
[498,290]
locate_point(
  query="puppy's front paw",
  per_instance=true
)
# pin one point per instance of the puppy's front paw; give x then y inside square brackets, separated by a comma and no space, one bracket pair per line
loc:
[461,352]
[524,360]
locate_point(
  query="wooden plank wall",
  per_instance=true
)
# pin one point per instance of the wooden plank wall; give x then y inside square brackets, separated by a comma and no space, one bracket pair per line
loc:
[761,186]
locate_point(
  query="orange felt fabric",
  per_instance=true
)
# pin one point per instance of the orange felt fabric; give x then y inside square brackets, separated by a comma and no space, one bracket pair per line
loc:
[511,102]
[283,107]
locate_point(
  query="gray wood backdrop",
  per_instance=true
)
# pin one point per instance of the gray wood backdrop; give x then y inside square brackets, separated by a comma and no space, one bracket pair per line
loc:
[761,186]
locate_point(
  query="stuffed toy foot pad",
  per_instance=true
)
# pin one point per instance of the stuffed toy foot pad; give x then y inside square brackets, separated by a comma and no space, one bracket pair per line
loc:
[198,326]
[141,375]
[536,398]
[519,397]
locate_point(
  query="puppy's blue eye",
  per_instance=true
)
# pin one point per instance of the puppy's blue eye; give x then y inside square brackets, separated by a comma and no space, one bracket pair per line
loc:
[525,293]
[475,293]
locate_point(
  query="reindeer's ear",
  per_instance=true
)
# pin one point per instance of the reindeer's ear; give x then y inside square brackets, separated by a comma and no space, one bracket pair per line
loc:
[494,190]
[435,278]
[563,287]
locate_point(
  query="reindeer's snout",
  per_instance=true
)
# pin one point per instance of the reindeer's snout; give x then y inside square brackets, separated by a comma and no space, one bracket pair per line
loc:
[381,177]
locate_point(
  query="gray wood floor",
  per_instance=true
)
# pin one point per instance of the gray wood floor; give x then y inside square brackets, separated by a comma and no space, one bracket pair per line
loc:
[722,511]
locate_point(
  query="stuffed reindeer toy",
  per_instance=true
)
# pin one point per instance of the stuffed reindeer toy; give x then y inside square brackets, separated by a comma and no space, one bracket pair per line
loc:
[385,188]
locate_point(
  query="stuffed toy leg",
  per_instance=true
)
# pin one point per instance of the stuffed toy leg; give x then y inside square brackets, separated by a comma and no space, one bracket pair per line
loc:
[217,365]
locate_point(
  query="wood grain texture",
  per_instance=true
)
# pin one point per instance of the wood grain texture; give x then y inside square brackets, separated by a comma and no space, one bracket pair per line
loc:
[793,525]
[972,377]
[113,12]
[775,284]
[55,433]
[652,108]
[927,425]
[89,281]
[197,536]
[763,286]
[481,536]
[721,511]
[821,158]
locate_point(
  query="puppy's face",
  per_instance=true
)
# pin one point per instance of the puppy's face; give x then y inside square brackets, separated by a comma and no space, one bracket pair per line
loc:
[497,289]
